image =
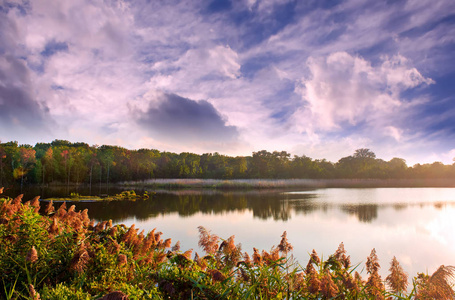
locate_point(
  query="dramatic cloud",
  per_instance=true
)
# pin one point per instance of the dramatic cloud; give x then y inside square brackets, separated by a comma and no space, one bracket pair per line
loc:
[310,77]
[184,120]
[20,111]
[345,88]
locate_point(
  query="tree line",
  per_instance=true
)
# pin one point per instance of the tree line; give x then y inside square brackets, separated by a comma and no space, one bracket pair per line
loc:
[72,163]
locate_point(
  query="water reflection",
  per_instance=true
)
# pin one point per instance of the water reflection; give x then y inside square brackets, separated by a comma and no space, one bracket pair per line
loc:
[274,205]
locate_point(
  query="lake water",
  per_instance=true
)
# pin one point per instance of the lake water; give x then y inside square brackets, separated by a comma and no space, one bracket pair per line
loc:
[414,224]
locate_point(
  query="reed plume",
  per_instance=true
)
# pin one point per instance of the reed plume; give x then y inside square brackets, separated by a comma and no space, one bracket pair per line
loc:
[314,284]
[49,208]
[374,285]
[35,204]
[122,259]
[80,259]
[117,295]
[167,243]
[340,256]
[257,258]
[437,286]
[33,294]
[32,255]
[61,211]
[314,258]
[216,275]
[284,245]
[176,247]
[397,280]
[327,286]
[207,241]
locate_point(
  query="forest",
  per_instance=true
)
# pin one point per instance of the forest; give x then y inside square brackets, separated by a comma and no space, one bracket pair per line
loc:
[63,162]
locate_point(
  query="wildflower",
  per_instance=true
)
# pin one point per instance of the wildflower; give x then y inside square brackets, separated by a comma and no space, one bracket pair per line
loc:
[398,279]
[32,255]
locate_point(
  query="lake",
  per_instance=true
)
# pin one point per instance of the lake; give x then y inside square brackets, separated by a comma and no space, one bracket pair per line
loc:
[414,224]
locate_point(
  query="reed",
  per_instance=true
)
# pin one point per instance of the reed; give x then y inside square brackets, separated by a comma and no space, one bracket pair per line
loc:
[62,255]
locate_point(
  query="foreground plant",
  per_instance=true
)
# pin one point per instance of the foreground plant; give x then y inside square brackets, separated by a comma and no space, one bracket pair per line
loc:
[62,254]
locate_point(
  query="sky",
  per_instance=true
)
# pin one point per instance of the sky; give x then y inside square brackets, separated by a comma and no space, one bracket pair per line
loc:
[316,78]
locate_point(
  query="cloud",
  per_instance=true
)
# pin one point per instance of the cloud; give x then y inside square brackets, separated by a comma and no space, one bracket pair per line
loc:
[182,120]
[345,88]
[21,113]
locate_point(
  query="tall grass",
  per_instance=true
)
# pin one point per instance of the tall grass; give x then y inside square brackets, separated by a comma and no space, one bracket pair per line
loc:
[62,254]
[286,183]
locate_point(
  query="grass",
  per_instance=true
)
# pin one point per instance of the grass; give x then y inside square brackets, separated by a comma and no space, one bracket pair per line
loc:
[125,195]
[286,183]
[62,254]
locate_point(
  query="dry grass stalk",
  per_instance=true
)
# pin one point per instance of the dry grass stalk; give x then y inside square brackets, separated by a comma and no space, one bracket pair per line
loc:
[32,255]
[397,280]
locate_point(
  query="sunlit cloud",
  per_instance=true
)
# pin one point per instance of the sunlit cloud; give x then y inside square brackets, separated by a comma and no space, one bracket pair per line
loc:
[306,77]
